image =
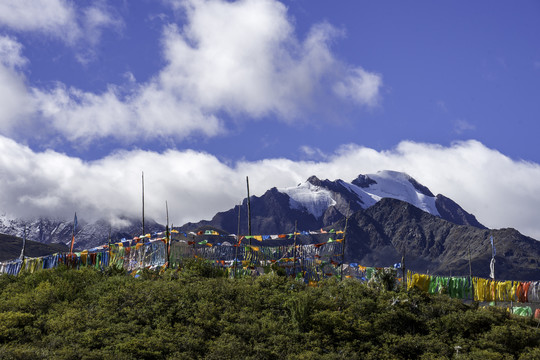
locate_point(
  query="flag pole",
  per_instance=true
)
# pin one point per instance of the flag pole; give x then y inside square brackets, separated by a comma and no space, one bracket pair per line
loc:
[237,241]
[73,234]
[492,268]
[470,271]
[109,246]
[249,210]
[343,243]
[168,235]
[23,244]
[294,249]
[143,232]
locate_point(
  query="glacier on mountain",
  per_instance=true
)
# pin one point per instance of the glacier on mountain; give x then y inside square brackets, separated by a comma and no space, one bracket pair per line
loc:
[317,199]
[312,198]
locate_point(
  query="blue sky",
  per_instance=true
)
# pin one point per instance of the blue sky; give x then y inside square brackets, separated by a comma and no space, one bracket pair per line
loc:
[94,92]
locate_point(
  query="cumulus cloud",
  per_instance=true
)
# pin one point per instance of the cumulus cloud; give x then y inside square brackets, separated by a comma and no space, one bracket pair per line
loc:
[500,191]
[77,26]
[360,86]
[56,17]
[11,53]
[238,58]
[15,102]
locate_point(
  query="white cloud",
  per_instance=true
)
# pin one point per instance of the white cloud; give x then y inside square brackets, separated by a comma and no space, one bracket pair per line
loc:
[500,191]
[360,86]
[311,152]
[11,53]
[79,27]
[15,102]
[238,58]
[93,20]
[149,112]
[55,17]
[461,126]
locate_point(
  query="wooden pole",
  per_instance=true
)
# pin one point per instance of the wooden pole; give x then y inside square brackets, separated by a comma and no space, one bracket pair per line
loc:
[294,250]
[343,242]
[493,260]
[109,246]
[143,232]
[343,246]
[237,241]
[23,244]
[168,236]
[248,209]
[73,234]
[404,270]
[470,272]
[403,267]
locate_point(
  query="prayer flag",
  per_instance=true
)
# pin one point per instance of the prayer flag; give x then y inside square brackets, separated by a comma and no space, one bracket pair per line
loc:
[492,262]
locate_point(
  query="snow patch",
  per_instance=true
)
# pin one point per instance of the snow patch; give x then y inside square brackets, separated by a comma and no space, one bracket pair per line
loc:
[386,184]
[306,196]
[365,199]
[396,185]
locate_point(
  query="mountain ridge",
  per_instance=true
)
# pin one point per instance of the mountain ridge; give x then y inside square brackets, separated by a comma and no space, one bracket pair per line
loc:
[390,215]
[12,246]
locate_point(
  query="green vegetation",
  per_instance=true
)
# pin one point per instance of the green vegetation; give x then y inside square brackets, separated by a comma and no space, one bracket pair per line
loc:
[198,313]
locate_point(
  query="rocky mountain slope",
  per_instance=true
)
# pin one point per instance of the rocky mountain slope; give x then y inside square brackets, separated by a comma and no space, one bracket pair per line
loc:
[391,215]
[12,245]
[382,234]
[318,203]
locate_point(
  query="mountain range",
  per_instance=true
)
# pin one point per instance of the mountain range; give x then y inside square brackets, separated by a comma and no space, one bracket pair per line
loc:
[390,216]
[12,246]
[317,203]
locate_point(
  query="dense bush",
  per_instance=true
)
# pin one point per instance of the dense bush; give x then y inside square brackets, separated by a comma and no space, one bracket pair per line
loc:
[197,312]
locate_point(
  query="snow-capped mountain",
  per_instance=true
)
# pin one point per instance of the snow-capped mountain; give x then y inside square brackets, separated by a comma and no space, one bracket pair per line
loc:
[87,234]
[390,215]
[318,203]
[317,196]
[313,204]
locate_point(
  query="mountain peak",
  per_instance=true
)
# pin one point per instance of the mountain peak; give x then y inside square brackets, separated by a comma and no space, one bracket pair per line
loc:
[314,180]
[363,181]
[311,197]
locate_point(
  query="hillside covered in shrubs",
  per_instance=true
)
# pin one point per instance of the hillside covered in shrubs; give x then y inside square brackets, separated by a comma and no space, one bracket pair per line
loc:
[197,313]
